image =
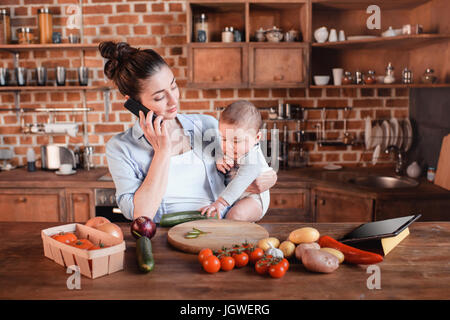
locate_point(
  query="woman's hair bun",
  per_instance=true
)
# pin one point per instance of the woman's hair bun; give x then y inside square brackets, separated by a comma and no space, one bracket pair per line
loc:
[115,53]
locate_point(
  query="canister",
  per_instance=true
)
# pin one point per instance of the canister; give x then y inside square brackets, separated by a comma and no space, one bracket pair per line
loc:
[5,27]
[25,35]
[45,25]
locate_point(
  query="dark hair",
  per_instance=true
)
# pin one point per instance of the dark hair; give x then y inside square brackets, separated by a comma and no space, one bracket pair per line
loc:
[127,67]
[242,113]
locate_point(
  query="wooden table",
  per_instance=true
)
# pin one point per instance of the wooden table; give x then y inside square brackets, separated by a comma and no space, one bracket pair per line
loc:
[419,268]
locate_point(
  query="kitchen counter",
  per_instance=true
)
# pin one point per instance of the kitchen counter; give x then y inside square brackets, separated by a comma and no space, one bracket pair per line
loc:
[418,268]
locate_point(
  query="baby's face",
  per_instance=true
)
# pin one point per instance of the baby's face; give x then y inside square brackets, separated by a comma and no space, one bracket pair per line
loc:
[237,141]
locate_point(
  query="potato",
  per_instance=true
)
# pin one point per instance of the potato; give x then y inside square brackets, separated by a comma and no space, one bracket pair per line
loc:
[265,243]
[306,234]
[319,261]
[305,246]
[335,252]
[288,248]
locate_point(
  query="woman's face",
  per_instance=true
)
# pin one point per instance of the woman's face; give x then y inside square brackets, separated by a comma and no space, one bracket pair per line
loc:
[160,93]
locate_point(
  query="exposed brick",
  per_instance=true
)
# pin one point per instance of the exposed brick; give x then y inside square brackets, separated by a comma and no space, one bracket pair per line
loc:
[244,93]
[210,94]
[332,92]
[128,18]
[121,8]
[140,7]
[365,103]
[316,93]
[383,92]
[108,128]
[332,103]
[397,103]
[194,105]
[227,93]
[367,92]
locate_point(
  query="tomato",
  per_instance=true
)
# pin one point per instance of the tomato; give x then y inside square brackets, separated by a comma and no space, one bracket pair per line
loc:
[256,255]
[211,264]
[65,237]
[285,263]
[262,267]
[203,254]
[277,270]
[241,259]
[95,247]
[227,263]
[82,244]
[248,247]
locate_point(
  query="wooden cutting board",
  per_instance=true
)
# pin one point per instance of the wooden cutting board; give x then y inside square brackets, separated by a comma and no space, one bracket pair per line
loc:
[442,177]
[223,233]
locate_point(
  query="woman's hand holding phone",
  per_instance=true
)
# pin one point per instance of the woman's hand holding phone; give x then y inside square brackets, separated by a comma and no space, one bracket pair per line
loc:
[155,132]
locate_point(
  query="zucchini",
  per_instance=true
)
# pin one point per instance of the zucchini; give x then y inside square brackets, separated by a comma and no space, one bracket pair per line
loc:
[144,254]
[172,219]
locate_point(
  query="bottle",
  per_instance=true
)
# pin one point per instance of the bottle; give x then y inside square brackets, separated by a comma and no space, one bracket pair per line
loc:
[201,28]
[429,77]
[227,35]
[431,173]
[389,78]
[348,79]
[406,76]
[31,160]
[5,27]
[370,78]
[45,25]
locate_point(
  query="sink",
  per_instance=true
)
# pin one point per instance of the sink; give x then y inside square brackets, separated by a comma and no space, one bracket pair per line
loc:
[384,182]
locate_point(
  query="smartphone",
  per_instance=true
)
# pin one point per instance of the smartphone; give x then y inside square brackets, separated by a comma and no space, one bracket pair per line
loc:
[135,106]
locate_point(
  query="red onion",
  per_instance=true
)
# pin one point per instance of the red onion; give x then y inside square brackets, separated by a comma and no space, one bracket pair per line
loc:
[143,226]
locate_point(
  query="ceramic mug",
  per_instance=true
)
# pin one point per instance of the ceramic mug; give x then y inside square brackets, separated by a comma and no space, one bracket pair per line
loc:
[338,73]
[65,168]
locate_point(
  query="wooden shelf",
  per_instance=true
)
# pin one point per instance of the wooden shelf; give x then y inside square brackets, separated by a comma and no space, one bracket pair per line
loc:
[53,88]
[382,85]
[49,46]
[363,4]
[404,41]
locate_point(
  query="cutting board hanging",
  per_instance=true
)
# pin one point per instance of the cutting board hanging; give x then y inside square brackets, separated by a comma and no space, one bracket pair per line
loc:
[442,177]
[222,233]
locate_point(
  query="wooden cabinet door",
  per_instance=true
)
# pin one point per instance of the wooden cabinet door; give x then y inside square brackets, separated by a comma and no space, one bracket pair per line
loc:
[340,207]
[294,202]
[278,65]
[80,205]
[217,66]
[47,205]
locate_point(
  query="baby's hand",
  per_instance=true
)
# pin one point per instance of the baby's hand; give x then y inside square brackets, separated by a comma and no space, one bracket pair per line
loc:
[214,208]
[224,165]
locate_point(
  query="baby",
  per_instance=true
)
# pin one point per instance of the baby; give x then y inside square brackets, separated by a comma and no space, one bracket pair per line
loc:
[242,161]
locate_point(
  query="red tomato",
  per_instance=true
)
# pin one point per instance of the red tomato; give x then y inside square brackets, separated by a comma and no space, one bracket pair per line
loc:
[285,263]
[261,267]
[203,254]
[248,247]
[277,270]
[256,255]
[227,263]
[241,259]
[211,264]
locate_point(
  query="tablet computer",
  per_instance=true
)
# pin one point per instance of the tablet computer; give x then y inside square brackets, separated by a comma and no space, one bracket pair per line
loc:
[379,229]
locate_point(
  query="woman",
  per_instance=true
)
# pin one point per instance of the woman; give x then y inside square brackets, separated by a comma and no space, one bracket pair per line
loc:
[166,165]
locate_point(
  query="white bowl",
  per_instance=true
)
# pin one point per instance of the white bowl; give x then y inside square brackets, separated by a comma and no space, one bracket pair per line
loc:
[321,80]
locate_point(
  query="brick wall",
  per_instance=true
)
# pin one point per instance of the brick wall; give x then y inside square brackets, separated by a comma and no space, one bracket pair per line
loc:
[161,25]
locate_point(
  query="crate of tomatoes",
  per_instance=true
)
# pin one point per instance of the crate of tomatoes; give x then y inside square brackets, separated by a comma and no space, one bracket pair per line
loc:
[95,252]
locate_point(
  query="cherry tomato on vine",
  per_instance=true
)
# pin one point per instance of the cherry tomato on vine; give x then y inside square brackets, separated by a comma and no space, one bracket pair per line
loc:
[241,259]
[211,264]
[277,270]
[262,267]
[227,263]
[256,255]
[203,254]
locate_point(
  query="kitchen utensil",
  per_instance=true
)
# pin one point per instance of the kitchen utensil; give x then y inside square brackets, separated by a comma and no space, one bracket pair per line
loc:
[407,134]
[321,34]
[222,233]
[3,76]
[291,36]
[338,73]
[359,77]
[341,35]
[442,176]
[53,155]
[321,80]
[60,76]
[21,76]
[41,76]
[407,76]
[74,38]
[333,36]
[389,78]
[274,35]
[88,162]
[260,35]
[83,76]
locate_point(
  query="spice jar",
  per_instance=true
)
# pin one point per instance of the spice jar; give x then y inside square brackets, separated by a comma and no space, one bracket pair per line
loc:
[348,78]
[406,76]
[370,78]
[389,78]
[201,28]
[25,35]
[431,173]
[5,27]
[227,35]
[429,77]
[45,25]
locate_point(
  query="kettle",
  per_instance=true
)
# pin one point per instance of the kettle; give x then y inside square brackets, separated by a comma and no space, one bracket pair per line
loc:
[52,156]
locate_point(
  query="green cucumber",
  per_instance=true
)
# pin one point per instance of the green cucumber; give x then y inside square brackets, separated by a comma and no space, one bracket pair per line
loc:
[172,219]
[144,254]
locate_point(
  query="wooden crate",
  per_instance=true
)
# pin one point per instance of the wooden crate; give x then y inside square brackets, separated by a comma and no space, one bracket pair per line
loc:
[92,264]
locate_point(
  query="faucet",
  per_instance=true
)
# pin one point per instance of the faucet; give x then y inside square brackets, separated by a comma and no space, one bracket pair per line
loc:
[399,165]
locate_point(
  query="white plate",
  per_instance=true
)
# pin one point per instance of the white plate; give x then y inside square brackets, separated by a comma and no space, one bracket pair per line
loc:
[368,133]
[395,131]
[400,135]
[361,37]
[59,173]
[332,166]
[408,135]
[376,155]
[386,134]
[377,134]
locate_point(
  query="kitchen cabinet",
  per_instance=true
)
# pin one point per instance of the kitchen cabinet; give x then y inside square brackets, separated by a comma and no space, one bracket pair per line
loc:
[431,209]
[32,205]
[248,64]
[333,206]
[295,201]
[80,205]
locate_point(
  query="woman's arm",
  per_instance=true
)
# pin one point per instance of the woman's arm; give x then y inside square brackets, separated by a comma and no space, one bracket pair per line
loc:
[265,181]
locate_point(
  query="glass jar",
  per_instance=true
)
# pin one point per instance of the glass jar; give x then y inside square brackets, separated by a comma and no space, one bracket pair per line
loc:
[201,28]
[5,27]
[407,76]
[429,77]
[431,173]
[45,24]
[348,78]
[370,78]
[25,35]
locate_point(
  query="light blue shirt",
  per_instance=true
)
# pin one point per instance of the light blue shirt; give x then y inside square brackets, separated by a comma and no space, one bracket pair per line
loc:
[129,155]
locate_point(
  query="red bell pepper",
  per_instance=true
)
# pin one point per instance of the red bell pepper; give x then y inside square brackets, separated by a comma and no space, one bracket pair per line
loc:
[351,254]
